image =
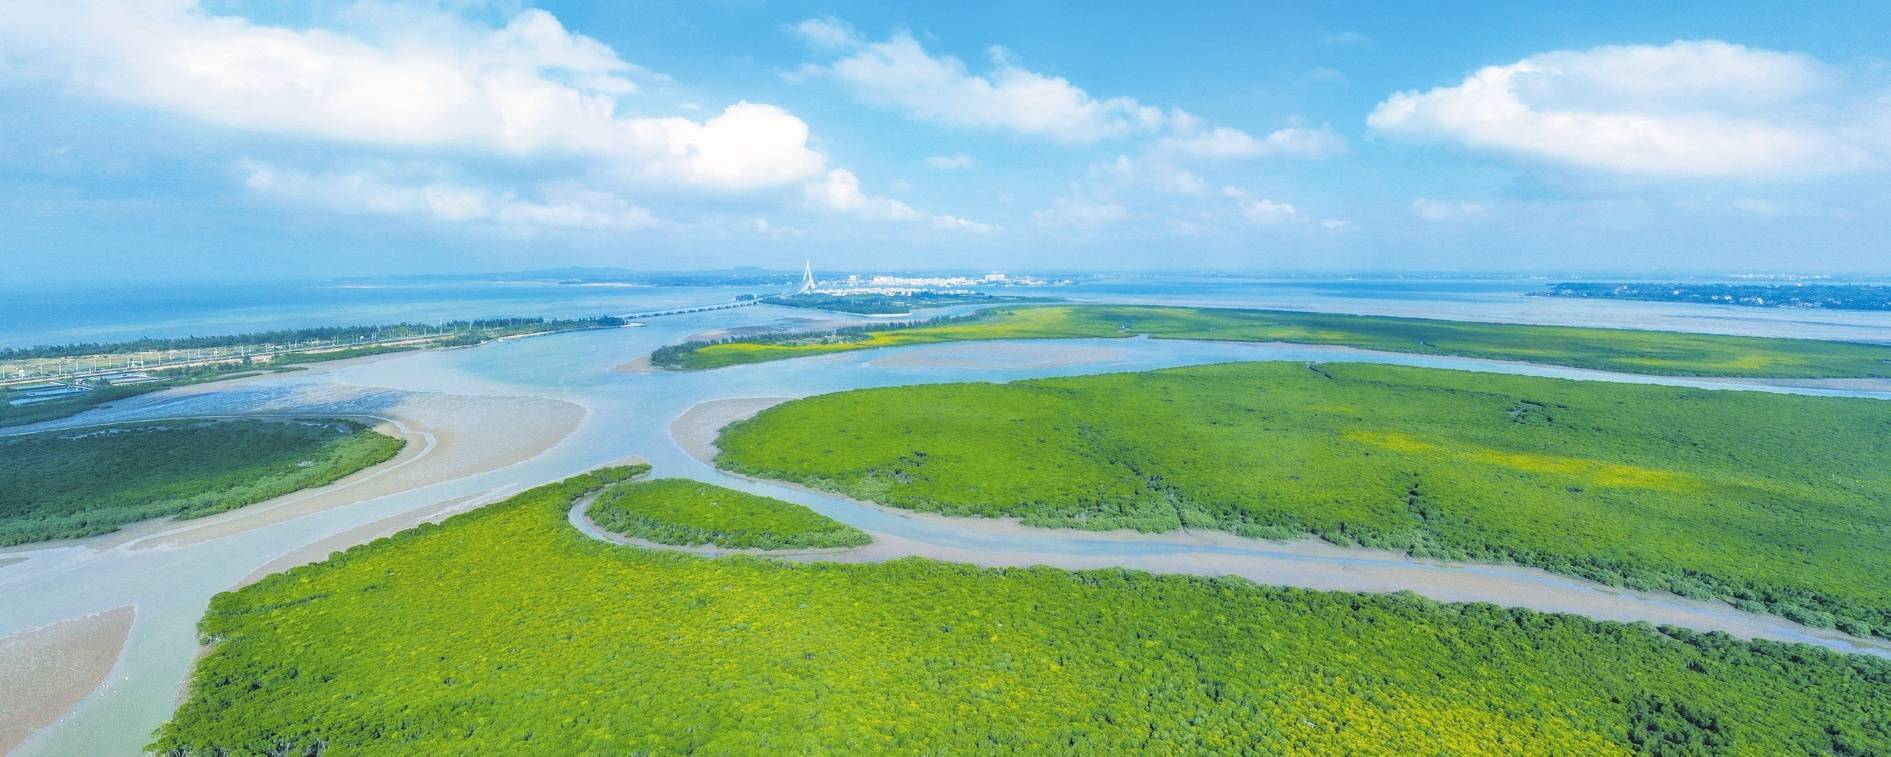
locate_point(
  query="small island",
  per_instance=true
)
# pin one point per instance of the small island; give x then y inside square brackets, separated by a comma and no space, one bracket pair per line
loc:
[1795,295]
[690,513]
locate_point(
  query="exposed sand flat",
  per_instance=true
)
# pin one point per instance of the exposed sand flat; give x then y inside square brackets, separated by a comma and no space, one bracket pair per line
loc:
[45,671]
[1002,354]
[696,429]
[640,365]
[448,437]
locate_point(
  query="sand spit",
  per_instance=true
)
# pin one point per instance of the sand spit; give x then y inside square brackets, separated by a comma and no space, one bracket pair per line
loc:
[696,429]
[449,436]
[640,365]
[59,665]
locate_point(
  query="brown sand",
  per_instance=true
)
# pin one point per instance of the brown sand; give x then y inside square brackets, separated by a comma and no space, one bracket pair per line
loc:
[640,365]
[488,433]
[46,671]
[696,429]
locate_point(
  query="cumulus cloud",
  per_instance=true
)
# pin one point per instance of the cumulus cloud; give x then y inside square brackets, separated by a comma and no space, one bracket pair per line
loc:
[839,192]
[1262,210]
[901,74]
[1149,173]
[1445,210]
[955,162]
[559,206]
[1685,109]
[529,88]
[1226,143]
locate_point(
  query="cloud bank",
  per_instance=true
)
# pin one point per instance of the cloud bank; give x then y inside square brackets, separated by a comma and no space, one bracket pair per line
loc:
[1690,109]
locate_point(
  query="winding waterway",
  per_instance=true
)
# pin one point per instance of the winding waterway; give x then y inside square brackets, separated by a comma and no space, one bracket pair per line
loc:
[489,421]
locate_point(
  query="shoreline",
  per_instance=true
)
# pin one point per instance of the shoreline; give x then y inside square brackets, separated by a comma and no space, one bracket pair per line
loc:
[63,663]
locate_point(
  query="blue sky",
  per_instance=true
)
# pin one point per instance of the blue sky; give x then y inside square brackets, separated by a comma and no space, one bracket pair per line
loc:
[148,140]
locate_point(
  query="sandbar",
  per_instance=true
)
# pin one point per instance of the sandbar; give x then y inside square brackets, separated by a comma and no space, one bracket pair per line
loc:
[449,437]
[696,429]
[59,665]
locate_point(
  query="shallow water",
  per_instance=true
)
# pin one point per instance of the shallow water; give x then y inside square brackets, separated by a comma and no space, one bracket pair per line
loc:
[628,415]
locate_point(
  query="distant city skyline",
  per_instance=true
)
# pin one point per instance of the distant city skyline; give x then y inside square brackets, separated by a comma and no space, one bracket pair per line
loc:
[172,141]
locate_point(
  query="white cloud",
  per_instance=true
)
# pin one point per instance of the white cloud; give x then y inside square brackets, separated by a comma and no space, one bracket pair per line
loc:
[527,89]
[899,73]
[826,33]
[1079,213]
[1262,210]
[560,205]
[955,223]
[1151,173]
[954,162]
[1224,143]
[840,192]
[1686,109]
[1445,210]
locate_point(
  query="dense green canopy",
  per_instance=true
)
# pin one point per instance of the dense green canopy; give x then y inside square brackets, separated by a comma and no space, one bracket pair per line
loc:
[691,513]
[1773,501]
[61,484]
[505,631]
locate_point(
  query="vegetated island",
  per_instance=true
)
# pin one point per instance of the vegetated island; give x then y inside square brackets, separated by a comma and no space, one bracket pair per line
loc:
[54,381]
[1772,502]
[504,630]
[691,513]
[1664,353]
[890,303]
[1817,296]
[82,482]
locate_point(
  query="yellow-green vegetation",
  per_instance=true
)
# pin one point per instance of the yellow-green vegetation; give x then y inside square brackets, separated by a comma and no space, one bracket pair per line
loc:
[1771,501]
[63,484]
[690,513]
[505,631]
[1628,351]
